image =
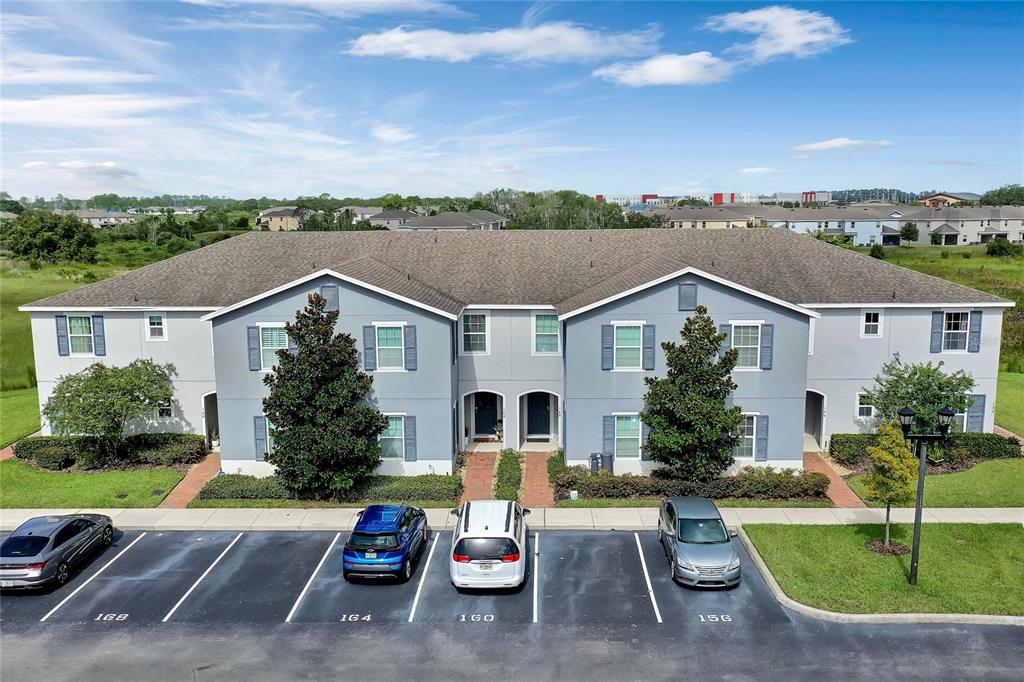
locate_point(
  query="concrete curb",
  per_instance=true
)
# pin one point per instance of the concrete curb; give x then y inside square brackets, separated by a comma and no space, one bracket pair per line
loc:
[880,618]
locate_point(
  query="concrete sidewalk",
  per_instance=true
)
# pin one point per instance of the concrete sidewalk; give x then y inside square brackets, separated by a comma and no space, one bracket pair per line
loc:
[539,519]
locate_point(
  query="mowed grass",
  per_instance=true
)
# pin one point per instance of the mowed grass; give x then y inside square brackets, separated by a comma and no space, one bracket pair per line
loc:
[314,504]
[964,568]
[19,415]
[655,502]
[994,483]
[1010,402]
[22,487]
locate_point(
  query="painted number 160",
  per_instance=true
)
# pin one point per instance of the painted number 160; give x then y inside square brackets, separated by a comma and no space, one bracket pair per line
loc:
[477,618]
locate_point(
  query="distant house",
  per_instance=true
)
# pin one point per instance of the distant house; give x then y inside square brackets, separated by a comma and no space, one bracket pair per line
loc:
[943,199]
[101,218]
[360,212]
[477,219]
[392,219]
[280,219]
[6,216]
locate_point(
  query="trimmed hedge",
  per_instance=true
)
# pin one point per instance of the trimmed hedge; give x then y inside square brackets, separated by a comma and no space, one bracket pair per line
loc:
[52,458]
[87,452]
[241,487]
[377,488]
[510,475]
[556,463]
[852,448]
[750,483]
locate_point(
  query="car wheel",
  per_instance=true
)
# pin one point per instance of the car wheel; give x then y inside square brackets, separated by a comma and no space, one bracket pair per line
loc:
[108,536]
[62,574]
[406,573]
[345,575]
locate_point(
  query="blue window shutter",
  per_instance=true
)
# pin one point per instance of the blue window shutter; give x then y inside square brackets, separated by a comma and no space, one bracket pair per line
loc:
[974,332]
[369,348]
[648,346]
[761,441]
[252,335]
[727,341]
[410,347]
[63,344]
[292,346]
[410,439]
[688,296]
[259,429]
[99,337]
[608,445]
[645,434]
[607,346]
[455,340]
[767,345]
[330,292]
[976,414]
[937,318]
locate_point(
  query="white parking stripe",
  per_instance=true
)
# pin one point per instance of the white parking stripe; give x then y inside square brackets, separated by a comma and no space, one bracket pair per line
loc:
[91,578]
[536,572]
[196,583]
[423,576]
[309,582]
[650,588]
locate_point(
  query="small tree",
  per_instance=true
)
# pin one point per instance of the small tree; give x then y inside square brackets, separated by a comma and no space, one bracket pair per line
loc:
[100,401]
[909,232]
[892,479]
[922,387]
[49,237]
[877,251]
[693,430]
[324,433]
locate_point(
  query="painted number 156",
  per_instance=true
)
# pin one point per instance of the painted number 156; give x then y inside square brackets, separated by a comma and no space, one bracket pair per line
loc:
[715,618]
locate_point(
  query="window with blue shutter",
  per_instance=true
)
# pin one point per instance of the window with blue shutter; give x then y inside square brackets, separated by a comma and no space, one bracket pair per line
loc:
[761,439]
[976,414]
[767,345]
[648,350]
[608,436]
[607,346]
[252,336]
[63,345]
[261,438]
[330,292]
[974,332]
[99,337]
[727,341]
[369,348]
[410,347]
[410,439]
[687,296]
[936,336]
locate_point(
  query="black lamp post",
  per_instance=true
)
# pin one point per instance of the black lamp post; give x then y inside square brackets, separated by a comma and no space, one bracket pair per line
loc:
[919,443]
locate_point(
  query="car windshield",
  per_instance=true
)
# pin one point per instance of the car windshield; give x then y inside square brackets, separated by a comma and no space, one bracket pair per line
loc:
[485,548]
[372,541]
[23,545]
[702,531]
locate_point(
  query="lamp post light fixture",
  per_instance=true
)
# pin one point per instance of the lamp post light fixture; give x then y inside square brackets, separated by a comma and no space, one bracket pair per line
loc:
[919,444]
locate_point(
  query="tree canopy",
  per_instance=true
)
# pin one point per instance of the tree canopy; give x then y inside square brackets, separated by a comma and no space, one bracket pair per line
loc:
[1007,195]
[923,388]
[49,237]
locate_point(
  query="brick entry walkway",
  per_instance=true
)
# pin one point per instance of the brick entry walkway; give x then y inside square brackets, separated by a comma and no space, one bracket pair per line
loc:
[194,480]
[479,478]
[840,493]
[1006,432]
[537,490]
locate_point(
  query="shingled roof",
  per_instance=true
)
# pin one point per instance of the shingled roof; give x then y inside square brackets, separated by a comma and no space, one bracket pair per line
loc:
[568,269]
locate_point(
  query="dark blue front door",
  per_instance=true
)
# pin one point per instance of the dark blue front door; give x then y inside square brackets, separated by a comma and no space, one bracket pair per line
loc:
[538,414]
[485,416]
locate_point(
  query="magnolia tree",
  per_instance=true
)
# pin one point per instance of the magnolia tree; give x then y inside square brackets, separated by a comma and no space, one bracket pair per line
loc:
[324,432]
[923,388]
[894,470]
[692,429]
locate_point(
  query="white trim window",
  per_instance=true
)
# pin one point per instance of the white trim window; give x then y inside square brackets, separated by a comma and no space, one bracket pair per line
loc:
[272,339]
[546,338]
[627,436]
[628,345]
[80,334]
[156,327]
[865,410]
[390,348]
[871,324]
[747,432]
[746,339]
[475,333]
[164,411]
[392,440]
[959,422]
[954,330]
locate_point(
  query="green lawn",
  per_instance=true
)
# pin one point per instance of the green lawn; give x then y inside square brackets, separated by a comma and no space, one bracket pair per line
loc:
[964,568]
[300,504]
[21,486]
[19,415]
[994,483]
[654,502]
[1010,402]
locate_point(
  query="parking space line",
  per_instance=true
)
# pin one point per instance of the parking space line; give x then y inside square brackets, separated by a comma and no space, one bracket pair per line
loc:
[536,572]
[309,582]
[423,576]
[91,578]
[647,577]
[196,583]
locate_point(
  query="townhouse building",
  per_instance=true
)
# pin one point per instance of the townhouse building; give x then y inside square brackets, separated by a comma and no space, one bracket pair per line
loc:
[526,338]
[100,219]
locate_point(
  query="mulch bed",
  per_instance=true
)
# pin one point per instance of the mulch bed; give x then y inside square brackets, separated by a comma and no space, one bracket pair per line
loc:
[894,548]
[945,467]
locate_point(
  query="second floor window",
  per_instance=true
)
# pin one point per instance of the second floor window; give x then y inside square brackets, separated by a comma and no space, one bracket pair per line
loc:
[272,339]
[954,331]
[865,410]
[390,348]
[80,334]
[545,338]
[474,333]
[164,410]
[746,338]
[628,346]
[155,328]
[872,323]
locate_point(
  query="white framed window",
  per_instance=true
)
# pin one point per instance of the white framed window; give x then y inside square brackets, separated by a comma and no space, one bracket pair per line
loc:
[392,441]
[156,327]
[475,333]
[747,432]
[870,324]
[80,334]
[865,410]
[954,330]
[272,339]
[627,436]
[163,411]
[628,345]
[746,339]
[959,422]
[546,337]
[390,347]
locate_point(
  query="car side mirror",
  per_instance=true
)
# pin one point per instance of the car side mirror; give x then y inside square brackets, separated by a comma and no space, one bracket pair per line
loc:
[526,512]
[454,512]
[733,534]
[360,512]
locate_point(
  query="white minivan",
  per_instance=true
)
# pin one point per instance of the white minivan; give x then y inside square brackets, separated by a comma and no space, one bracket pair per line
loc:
[489,545]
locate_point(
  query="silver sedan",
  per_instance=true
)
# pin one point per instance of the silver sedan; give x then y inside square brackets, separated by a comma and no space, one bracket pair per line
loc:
[43,550]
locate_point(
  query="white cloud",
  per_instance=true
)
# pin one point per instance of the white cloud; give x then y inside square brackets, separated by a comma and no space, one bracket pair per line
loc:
[392,134]
[697,68]
[241,24]
[14,23]
[562,149]
[782,32]
[107,169]
[342,8]
[85,111]
[839,143]
[37,68]
[754,170]
[560,41]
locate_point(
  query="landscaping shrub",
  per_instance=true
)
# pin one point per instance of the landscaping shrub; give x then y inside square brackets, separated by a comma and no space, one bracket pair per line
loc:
[181,449]
[88,452]
[377,488]
[241,487]
[556,463]
[52,458]
[852,448]
[1003,248]
[510,475]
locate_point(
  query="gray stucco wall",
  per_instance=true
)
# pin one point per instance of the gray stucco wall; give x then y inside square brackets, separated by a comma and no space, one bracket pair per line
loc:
[424,393]
[592,393]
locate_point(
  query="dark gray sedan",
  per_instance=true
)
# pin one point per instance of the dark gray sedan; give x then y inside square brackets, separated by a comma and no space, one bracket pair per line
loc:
[43,550]
[697,544]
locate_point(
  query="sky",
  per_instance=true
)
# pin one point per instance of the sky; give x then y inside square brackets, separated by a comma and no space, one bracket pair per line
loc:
[284,98]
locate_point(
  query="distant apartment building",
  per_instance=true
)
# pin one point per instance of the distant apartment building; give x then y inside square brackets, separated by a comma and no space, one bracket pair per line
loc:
[943,199]
[633,200]
[392,219]
[360,212]
[454,221]
[161,210]
[280,219]
[725,198]
[98,218]
[816,197]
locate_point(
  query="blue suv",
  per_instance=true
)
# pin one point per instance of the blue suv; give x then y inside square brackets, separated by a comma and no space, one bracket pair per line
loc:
[385,541]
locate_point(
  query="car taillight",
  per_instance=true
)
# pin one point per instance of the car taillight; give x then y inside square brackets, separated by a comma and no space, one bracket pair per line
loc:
[510,557]
[35,567]
[461,558]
